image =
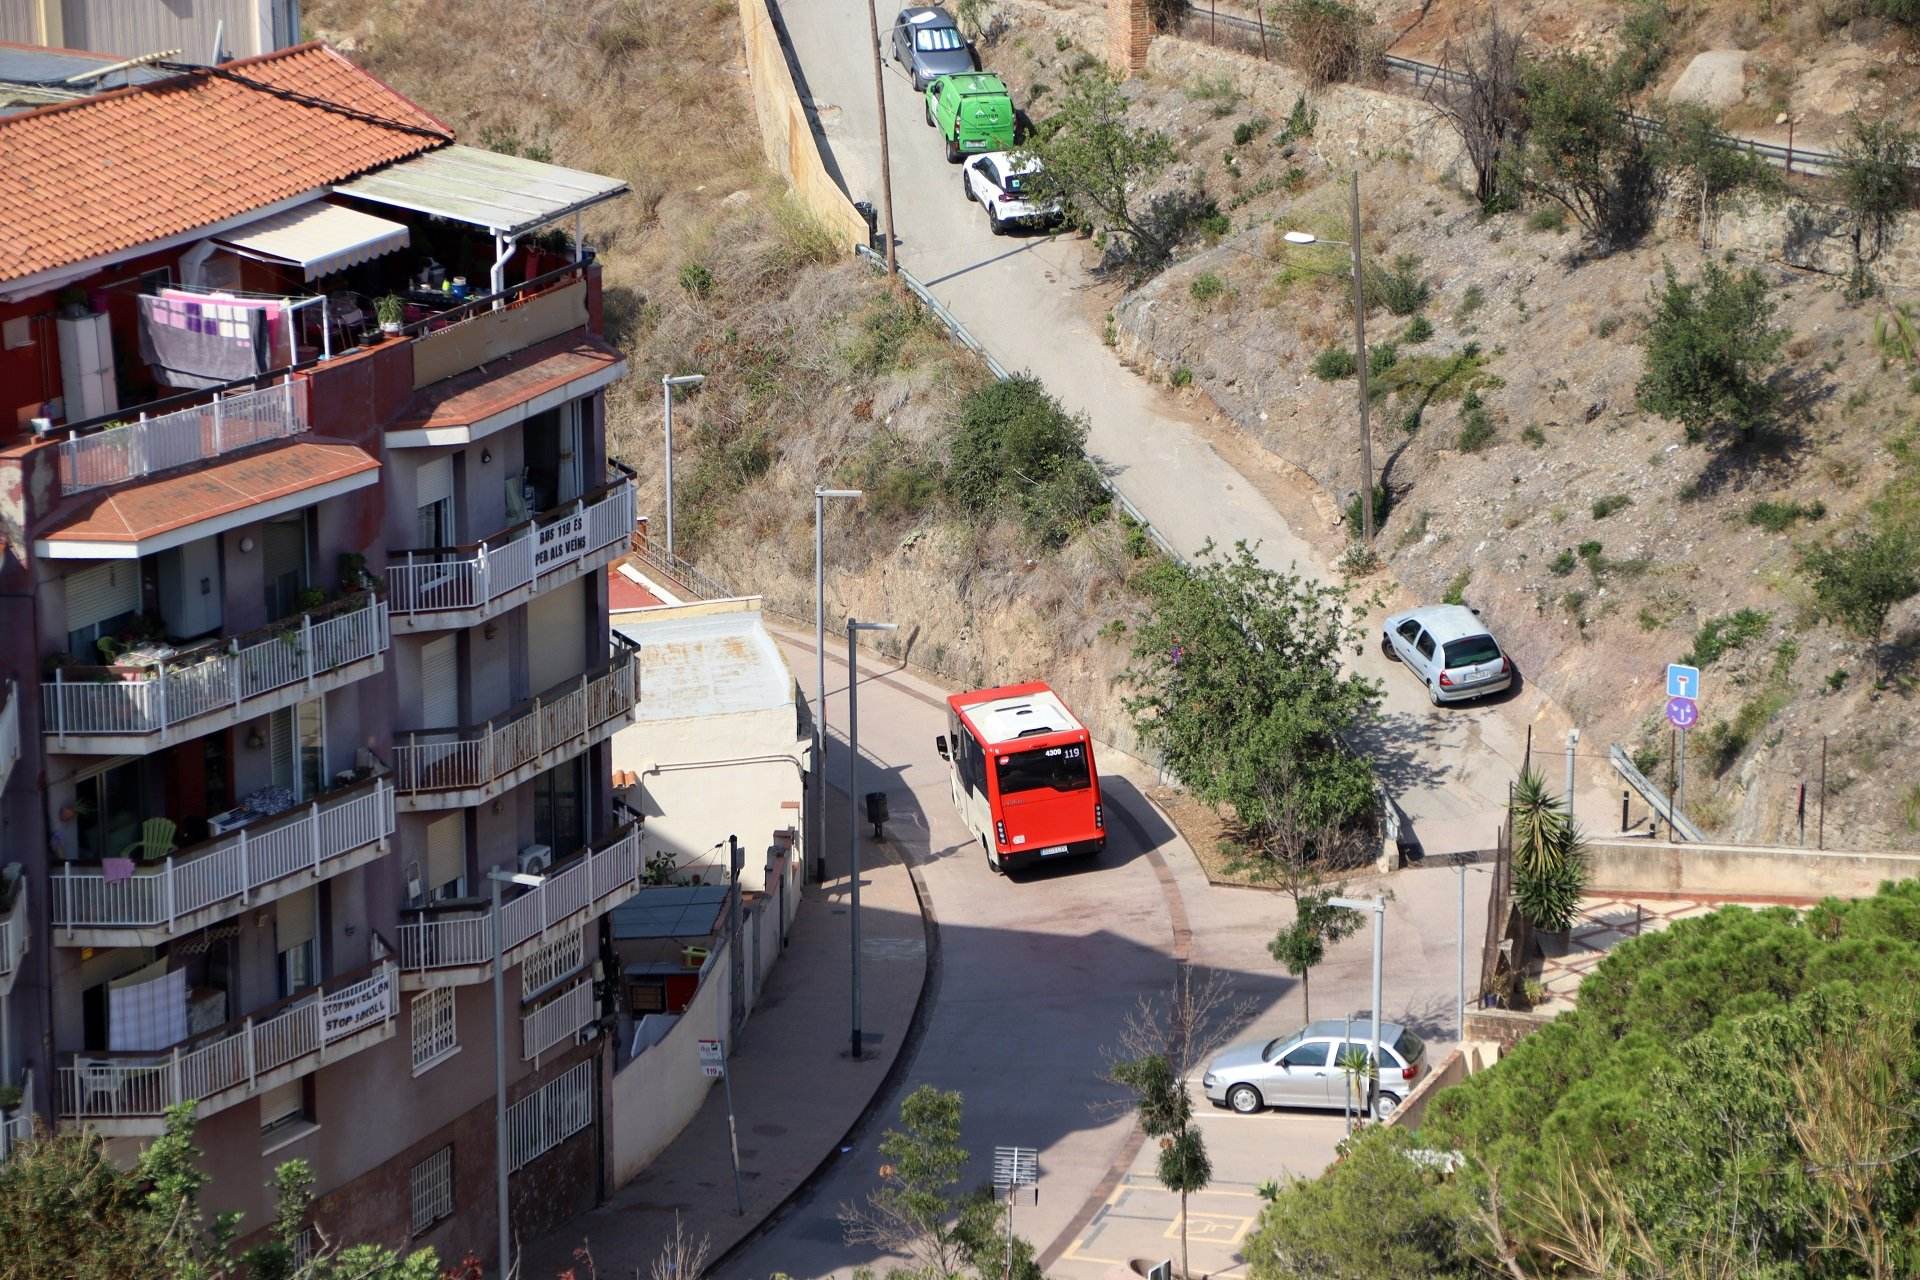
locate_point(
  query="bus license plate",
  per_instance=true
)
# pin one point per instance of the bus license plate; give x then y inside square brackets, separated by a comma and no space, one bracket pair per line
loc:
[1053,850]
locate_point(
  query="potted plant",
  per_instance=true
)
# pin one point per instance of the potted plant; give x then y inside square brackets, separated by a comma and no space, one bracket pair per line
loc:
[390,311]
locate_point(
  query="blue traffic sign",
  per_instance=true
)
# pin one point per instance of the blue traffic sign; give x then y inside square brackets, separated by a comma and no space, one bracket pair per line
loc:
[1682,712]
[1683,681]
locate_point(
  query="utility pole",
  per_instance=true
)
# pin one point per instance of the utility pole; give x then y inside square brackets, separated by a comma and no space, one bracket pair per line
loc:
[880,119]
[820,496]
[1360,356]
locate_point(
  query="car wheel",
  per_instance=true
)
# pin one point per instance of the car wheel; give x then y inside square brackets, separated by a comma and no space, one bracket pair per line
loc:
[966,184]
[953,151]
[1244,1098]
[994,864]
[1433,695]
[927,108]
[1385,1105]
[994,224]
[1387,650]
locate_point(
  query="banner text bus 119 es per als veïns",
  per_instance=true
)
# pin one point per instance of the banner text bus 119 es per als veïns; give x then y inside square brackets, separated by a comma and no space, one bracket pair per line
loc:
[1021,767]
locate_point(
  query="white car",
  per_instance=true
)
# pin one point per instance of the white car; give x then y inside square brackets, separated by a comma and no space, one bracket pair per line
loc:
[1449,648]
[1000,183]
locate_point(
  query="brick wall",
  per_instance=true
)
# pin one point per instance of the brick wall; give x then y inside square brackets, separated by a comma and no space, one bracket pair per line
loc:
[1129,33]
[1504,1027]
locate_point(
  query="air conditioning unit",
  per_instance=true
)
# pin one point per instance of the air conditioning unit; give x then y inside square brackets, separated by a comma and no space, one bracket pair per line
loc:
[587,1034]
[536,859]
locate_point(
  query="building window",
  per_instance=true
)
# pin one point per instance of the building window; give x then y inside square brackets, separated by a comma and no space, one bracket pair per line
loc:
[286,1113]
[430,1189]
[434,1038]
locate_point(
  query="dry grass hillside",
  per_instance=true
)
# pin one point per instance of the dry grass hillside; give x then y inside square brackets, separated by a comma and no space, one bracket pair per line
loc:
[1525,477]
[815,373]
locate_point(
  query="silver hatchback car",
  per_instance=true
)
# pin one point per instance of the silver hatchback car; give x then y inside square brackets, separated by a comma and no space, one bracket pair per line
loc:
[1303,1070]
[1449,648]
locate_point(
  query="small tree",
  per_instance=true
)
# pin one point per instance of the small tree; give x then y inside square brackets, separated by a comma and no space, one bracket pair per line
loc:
[911,1212]
[1485,110]
[1163,1042]
[1016,451]
[1876,181]
[1329,40]
[1096,160]
[1718,172]
[1710,347]
[1858,582]
[1549,857]
[1583,151]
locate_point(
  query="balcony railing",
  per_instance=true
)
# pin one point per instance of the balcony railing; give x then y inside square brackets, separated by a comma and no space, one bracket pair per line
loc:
[9,730]
[227,870]
[14,928]
[462,941]
[558,721]
[17,1128]
[443,579]
[108,1086]
[556,1021]
[151,699]
[149,444]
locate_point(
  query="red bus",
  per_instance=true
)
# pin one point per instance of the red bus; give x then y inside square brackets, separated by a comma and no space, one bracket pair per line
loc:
[1022,771]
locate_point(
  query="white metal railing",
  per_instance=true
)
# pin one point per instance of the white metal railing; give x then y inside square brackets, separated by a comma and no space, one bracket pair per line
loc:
[559,959]
[146,700]
[462,759]
[458,941]
[13,932]
[18,1127]
[430,1189]
[557,1020]
[9,730]
[132,1086]
[432,1026]
[549,1115]
[467,578]
[229,869]
[115,455]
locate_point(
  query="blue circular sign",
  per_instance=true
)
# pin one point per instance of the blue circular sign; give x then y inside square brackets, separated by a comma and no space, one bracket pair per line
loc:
[1682,712]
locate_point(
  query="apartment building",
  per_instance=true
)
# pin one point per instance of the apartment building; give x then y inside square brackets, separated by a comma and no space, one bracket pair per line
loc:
[303,633]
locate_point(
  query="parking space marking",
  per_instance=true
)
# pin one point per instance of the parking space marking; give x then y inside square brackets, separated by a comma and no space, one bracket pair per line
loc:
[1213,1228]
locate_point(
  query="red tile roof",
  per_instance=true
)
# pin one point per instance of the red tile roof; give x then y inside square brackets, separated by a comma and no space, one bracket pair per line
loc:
[136,165]
[475,396]
[624,593]
[135,512]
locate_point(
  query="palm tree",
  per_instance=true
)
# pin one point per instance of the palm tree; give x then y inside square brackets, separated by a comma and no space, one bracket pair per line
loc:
[1539,825]
[1549,857]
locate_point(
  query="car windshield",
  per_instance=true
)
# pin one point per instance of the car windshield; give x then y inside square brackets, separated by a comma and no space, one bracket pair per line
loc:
[1060,768]
[1409,1046]
[938,40]
[1472,651]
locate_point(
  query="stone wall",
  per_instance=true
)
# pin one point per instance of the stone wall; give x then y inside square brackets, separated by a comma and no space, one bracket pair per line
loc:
[1631,868]
[1504,1027]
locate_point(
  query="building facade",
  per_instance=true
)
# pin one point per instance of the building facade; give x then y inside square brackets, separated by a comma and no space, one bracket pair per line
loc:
[305,635]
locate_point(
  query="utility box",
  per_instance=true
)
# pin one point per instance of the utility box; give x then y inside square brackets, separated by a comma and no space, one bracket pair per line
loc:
[876,810]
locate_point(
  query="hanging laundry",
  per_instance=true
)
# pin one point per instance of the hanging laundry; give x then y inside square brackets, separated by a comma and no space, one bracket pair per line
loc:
[191,342]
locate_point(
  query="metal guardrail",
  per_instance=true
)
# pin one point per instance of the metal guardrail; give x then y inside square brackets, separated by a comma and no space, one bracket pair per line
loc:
[1657,799]
[1809,160]
[966,339]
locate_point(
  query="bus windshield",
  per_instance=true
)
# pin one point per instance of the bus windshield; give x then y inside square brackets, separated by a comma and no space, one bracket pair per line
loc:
[1057,768]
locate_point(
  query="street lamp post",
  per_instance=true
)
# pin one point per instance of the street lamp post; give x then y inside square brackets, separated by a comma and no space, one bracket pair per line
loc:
[1378,905]
[667,384]
[495,878]
[1360,349]
[820,497]
[853,793]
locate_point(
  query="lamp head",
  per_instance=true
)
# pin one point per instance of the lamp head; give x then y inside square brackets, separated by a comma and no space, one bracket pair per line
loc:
[1300,237]
[837,493]
[684,380]
[516,877]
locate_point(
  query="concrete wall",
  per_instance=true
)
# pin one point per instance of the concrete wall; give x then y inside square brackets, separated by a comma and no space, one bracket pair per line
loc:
[1632,867]
[786,135]
[492,334]
[1503,1028]
[652,1098]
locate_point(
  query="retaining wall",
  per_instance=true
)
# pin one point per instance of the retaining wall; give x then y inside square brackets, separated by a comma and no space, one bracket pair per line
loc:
[1658,867]
[786,134]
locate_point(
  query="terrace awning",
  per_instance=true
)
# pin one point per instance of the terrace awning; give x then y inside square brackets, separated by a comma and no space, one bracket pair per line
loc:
[319,238]
[506,195]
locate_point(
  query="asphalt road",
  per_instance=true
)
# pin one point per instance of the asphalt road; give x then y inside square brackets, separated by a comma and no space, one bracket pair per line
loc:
[1023,297]
[1033,977]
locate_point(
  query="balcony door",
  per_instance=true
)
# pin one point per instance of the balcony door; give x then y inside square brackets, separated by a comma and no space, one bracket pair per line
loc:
[559,816]
[107,810]
[298,738]
[285,563]
[553,455]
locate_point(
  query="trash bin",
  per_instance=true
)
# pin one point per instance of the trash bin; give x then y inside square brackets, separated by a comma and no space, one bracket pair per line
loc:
[876,810]
[866,210]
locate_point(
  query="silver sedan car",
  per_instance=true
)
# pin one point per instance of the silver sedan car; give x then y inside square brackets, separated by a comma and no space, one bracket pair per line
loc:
[1304,1069]
[928,44]
[1450,649]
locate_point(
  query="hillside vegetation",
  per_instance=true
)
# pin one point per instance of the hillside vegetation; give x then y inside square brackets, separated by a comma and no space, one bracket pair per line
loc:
[816,373]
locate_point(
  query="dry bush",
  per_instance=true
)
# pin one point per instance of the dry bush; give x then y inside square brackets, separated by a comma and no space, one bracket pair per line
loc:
[1330,40]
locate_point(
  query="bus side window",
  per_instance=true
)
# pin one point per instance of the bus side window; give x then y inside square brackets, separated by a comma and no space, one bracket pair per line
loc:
[976,771]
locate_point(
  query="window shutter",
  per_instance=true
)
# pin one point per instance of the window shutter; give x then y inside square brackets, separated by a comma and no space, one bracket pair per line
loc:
[280,748]
[283,1102]
[433,481]
[440,683]
[446,850]
[293,921]
[102,592]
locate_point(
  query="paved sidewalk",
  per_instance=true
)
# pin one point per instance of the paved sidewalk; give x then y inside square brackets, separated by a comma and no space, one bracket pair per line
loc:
[795,1091]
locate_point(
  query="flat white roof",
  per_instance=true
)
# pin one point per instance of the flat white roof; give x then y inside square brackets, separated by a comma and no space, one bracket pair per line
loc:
[507,195]
[707,665]
[1030,715]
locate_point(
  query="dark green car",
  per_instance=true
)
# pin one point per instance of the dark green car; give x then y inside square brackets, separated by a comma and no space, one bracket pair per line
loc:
[973,112]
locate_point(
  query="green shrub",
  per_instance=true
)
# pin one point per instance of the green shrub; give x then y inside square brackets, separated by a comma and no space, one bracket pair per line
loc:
[1563,564]
[1533,435]
[696,280]
[1382,508]
[1778,517]
[1400,289]
[1476,427]
[1456,592]
[1470,301]
[1418,330]
[1548,217]
[1381,357]
[1206,287]
[1328,40]
[1876,178]
[1014,450]
[1604,507]
[880,341]
[1180,377]
[1719,636]
[1333,364]
[1247,130]
[1710,348]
